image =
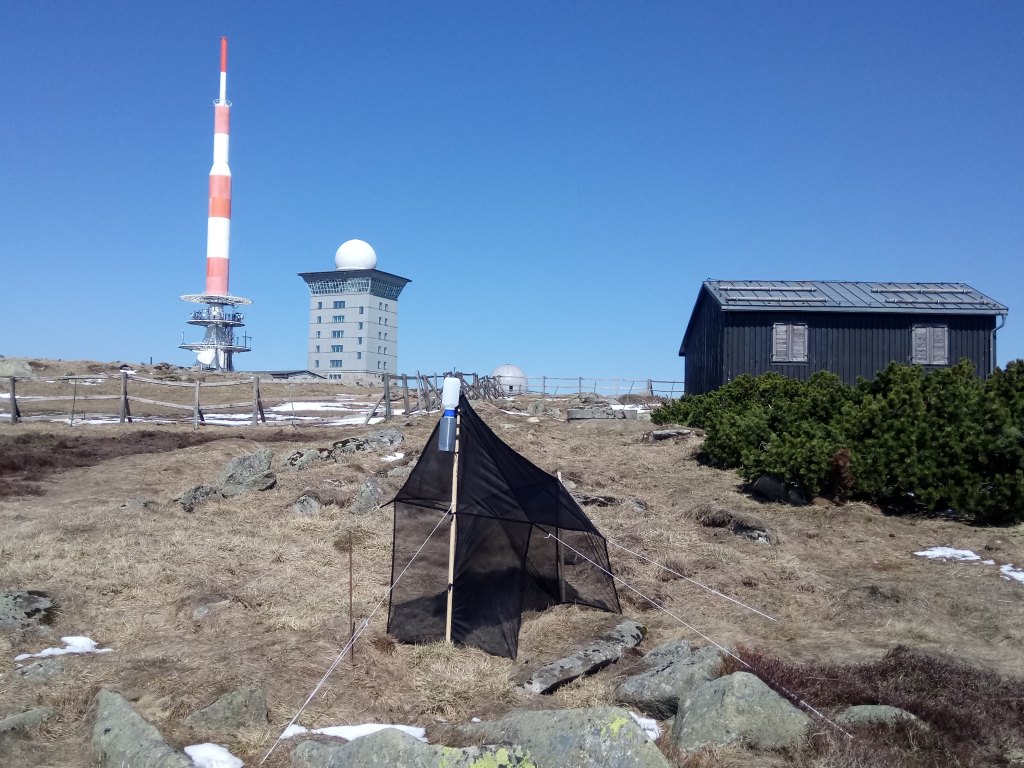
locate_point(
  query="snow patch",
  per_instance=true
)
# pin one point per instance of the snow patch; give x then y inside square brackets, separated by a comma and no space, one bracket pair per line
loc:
[212,756]
[73,644]
[393,457]
[650,726]
[948,553]
[1010,573]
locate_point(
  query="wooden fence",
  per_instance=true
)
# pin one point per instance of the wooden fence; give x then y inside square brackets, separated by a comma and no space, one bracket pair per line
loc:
[130,398]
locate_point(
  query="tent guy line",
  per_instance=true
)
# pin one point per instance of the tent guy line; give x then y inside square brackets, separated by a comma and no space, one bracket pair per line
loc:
[712,590]
[363,626]
[700,634]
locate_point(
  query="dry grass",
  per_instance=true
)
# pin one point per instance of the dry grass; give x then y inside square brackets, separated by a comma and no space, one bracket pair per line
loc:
[841,580]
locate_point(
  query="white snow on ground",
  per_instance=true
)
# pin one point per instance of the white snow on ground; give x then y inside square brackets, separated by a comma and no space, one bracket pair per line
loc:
[948,553]
[311,406]
[73,644]
[393,457]
[353,732]
[212,756]
[1009,572]
[649,725]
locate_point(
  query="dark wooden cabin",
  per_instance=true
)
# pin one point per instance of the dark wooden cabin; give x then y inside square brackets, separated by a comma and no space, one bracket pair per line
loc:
[851,329]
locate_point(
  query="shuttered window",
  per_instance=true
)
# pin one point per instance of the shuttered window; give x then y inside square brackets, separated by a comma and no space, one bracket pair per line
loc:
[930,345]
[789,343]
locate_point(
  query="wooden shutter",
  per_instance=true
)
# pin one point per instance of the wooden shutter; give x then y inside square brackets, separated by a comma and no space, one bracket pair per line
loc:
[780,343]
[798,343]
[938,346]
[919,346]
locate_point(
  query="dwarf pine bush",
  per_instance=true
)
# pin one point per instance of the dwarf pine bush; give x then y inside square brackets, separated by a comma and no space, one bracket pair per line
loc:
[909,439]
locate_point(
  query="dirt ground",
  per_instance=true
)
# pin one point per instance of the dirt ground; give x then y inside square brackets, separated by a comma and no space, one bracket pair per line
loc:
[841,582]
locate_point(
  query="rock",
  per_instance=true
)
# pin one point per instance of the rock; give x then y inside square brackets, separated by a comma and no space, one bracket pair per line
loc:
[22,721]
[400,472]
[537,408]
[307,506]
[658,692]
[40,671]
[244,474]
[666,653]
[666,434]
[137,505]
[586,500]
[123,738]
[196,495]
[871,714]
[12,366]
[238,709]
[533,420]
[737,708]
[367,498]
[601,737]
[775,489]
[391,747]
[23,609]
[581,414]
[607,650]
[304,457]
[379,440]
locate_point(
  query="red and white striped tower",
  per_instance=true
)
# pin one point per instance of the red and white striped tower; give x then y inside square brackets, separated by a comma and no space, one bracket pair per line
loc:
[219,318]
[218,230]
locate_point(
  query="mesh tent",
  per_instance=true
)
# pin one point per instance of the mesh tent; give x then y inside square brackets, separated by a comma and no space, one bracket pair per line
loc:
[505,561]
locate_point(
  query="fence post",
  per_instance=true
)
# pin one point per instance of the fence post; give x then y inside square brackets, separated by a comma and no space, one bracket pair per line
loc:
[543,386]
[581,385]
[255,399]
[124,396]
[405,393]
[195,408]
[14,403]
[387,397]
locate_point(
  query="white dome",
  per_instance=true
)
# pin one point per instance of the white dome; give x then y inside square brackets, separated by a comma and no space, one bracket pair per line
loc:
[511,378]
[355,254]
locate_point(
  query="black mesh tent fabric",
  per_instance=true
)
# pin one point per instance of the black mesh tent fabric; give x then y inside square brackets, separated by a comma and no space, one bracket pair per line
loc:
[505,560]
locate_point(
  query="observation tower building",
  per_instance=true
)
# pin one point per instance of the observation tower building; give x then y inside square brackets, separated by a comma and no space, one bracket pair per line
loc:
[353,317]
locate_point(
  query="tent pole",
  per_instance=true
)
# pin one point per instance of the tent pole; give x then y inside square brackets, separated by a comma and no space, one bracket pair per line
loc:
[452,531]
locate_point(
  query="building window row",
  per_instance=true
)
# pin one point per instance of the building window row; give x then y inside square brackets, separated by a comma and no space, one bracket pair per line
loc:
[335,363]
[929,344]
[337,348]
[337,334]
[338,319]
[339,305]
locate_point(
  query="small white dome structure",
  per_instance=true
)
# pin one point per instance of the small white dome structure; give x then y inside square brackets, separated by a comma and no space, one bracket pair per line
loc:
[355,254]
[510,378]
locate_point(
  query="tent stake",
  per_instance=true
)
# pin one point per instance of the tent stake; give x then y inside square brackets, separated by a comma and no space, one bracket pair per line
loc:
[452,532]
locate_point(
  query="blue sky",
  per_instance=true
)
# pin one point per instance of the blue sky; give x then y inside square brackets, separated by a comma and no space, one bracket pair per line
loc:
[555,178]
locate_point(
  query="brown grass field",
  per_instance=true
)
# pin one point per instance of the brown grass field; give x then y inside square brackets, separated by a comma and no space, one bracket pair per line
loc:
[842,582]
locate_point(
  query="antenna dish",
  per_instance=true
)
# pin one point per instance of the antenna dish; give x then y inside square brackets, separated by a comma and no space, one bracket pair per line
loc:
[206,356]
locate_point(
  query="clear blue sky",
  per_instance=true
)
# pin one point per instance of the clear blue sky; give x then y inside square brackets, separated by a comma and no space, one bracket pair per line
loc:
[556,178]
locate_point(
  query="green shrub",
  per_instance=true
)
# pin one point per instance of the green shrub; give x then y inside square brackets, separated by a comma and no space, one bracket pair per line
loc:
[908,439]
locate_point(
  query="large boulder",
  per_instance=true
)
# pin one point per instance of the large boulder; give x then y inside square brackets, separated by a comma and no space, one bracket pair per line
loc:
[391,747]
[601,737]
[607,650]
[121,737]
[305,457]
[774,488]
[657,692]
[13,366]
[238,709]
[22,609]
[244,474]
[737,709]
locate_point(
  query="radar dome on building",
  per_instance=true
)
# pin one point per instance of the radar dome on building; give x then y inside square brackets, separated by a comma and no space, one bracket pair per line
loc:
[510,378]
[355,254]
